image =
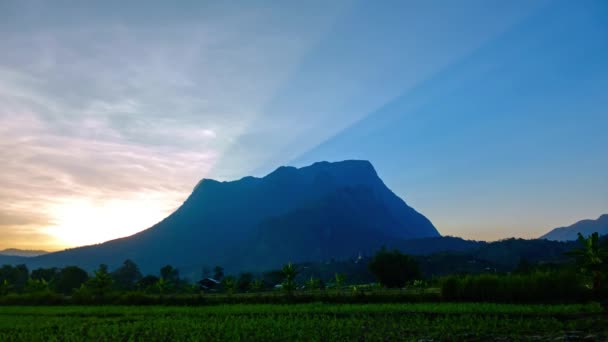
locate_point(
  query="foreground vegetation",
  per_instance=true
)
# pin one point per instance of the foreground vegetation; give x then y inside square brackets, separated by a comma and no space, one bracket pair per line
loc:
[70,304]
[446,321]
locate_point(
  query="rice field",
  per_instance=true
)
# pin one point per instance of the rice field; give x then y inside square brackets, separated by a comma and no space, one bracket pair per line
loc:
[305,322]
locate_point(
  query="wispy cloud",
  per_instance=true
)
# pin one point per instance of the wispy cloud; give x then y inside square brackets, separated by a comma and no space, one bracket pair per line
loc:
[105,111]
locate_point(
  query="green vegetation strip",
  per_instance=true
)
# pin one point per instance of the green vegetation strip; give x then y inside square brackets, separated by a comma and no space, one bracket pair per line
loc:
[315,308]
[449,321]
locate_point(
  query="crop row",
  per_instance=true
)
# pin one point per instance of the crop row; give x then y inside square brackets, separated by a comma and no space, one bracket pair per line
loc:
[297,322]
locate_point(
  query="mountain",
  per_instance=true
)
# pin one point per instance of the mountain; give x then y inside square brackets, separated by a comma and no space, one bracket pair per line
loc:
[585,227]
[22,252]
[326,210]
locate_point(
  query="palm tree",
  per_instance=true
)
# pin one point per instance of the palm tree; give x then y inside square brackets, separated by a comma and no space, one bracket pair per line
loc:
[591,258]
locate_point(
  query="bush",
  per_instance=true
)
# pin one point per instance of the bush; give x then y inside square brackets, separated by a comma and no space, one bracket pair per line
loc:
[535,287]
[394,269]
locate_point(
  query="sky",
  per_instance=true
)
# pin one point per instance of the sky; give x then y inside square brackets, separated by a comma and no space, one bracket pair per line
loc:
[489,117]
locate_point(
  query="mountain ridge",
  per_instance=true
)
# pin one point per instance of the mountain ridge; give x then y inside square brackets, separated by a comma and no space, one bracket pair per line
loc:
[585,227]
[22,252]
[220,222]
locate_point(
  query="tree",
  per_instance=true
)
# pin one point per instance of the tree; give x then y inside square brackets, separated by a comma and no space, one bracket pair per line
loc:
[126,276]
[313,284]
[244,281]
[218,273]
[273,277]
[257,285]
[339,278]
[591,258]
[22,275]
[163,286]
[70,278]
[47,274]
[147,283]
[169,273]
[394,269]
[289,272]
[36,286]
[17,276]
[5,287]
[229,284]
[101,283]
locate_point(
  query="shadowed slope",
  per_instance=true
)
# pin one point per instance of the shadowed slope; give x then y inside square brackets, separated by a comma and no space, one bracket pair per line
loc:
[236,223]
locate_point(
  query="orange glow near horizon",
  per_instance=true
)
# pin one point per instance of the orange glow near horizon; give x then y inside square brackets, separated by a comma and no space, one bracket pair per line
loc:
[79,222]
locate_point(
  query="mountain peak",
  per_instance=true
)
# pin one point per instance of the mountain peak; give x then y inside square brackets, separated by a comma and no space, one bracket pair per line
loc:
[324,210]
[348,166]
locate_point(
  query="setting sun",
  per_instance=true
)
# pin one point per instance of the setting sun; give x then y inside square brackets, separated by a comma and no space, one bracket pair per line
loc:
[83,221]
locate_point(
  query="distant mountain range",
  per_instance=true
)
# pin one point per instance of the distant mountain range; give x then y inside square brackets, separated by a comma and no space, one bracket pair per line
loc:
[22,252]
[585,227]
[323,211]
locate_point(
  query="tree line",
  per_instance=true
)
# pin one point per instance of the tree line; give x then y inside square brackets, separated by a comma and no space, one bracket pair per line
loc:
[391,269]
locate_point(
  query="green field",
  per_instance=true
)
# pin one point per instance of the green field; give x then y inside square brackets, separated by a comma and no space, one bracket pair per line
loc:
[321,322]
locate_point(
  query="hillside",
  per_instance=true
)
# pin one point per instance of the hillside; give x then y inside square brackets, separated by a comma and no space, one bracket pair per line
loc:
[585,227]
[326,210]
[22,252]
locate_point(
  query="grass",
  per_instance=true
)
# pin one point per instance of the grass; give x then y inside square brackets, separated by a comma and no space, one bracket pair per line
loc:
[317,321]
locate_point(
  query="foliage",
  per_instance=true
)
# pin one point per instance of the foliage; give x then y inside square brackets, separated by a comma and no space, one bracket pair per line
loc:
[16,276]
[312,284]
[163,286]
[244,281]
[127,276]
[592,258]
[170,274]
[257,285]
[394,269]
[230,284]
[101,283]
[273,278]
[339,278]
[539,286]
[147,283]
[289,272]
[47,274]
[5,287]
[36,286]
[69,279]
[321,322]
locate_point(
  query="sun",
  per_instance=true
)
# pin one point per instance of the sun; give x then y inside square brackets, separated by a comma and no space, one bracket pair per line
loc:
[85,221]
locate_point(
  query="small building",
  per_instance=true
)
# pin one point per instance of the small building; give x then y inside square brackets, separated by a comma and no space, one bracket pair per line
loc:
[209,284]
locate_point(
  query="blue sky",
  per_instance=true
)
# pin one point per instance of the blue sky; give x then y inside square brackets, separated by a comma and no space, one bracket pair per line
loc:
[487,116]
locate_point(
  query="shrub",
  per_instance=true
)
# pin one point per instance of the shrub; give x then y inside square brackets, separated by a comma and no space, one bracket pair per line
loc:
[560,286]
[394,269]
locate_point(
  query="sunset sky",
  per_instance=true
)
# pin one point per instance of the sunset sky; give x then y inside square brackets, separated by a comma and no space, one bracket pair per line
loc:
[489,117]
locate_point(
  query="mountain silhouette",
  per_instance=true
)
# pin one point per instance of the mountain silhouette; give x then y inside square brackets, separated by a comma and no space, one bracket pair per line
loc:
[22,252]
[585,227]
[326,210]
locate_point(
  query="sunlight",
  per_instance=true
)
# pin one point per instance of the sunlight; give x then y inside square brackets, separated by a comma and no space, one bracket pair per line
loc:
[84,221]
